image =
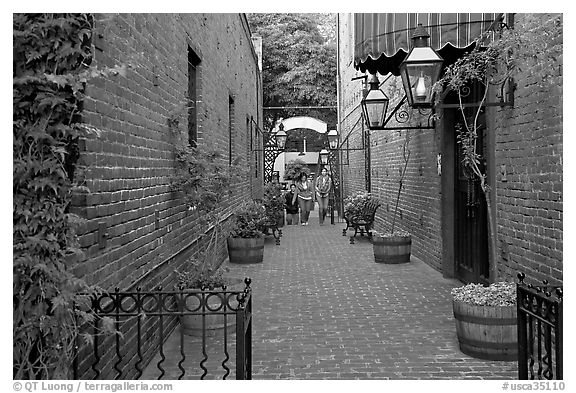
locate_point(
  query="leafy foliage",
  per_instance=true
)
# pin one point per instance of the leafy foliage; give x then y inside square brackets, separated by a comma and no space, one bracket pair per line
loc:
[205,177]
[299,63]
[355,203]
[273,201]
[533,48]
[294,168]
[52,54]
[199,275]
[249,220]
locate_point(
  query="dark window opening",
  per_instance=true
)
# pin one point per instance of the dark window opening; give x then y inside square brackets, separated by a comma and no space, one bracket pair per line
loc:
[230,129]
[193,76]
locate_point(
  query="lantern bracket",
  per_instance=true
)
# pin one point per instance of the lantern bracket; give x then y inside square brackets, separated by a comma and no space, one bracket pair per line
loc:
[403,116]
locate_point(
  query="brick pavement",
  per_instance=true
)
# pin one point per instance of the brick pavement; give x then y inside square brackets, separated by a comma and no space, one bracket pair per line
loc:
[323,309]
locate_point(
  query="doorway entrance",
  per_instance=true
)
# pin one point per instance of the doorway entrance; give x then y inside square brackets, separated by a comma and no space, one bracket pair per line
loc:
[471,223]
[465,216]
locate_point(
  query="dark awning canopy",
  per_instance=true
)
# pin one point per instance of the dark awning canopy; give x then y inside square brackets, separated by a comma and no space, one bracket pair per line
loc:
[382,41]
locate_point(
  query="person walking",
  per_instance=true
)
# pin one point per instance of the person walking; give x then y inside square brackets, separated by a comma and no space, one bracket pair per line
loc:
[304,195]
[291,205]
[322,187]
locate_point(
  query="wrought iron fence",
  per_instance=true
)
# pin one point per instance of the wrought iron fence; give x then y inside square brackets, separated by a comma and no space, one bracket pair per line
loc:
[167,335]
[539,330]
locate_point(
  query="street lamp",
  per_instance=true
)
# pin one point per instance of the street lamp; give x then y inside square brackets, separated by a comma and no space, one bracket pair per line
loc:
[375,104]
[333,139]
[420,70]
[324,156]
[281,137]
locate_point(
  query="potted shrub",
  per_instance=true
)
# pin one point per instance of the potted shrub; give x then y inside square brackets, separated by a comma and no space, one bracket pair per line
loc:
[210,286]
[486,320]
[395,246]
[246,241]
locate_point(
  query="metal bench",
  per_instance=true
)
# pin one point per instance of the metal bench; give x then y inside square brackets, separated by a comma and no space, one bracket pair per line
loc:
[362,222]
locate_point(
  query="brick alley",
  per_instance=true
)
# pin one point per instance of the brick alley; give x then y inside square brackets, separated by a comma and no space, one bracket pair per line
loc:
[323,309]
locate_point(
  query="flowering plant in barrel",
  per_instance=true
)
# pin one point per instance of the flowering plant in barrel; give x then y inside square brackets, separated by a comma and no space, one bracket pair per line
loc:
[485,318]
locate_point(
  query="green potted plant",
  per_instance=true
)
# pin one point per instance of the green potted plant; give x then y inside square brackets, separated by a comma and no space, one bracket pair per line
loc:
[246,238]
[486,320]
[395,246]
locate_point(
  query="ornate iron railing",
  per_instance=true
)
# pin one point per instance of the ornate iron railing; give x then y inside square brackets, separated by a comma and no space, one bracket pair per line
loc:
[539,330]
[149,327]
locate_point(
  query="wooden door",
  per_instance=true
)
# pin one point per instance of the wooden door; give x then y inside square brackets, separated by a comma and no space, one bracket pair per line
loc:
[471,227]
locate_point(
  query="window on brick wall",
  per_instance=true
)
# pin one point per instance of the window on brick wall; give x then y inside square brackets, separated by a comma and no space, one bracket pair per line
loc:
[230,129]
[254,142]
[193,79]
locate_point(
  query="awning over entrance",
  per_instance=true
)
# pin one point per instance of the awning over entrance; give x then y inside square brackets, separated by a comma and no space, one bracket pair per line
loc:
[382,41]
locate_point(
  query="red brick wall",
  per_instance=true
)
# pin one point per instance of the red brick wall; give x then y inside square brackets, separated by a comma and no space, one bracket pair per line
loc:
[527,140]
[529,199]
[129,165]
[419,202]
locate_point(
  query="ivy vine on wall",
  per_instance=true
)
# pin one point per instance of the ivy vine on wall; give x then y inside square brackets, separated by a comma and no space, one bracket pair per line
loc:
[51,64]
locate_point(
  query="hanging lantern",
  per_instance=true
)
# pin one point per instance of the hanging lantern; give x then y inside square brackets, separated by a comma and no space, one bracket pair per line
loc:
[281,137]
[324,156]
[420,70]
[333,139]
[374,105]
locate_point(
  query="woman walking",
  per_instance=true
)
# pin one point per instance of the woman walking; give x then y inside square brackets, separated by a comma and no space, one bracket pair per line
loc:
[304,195]
[323,185]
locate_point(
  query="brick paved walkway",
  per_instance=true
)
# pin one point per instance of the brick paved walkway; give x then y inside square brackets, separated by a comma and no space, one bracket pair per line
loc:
[323,309]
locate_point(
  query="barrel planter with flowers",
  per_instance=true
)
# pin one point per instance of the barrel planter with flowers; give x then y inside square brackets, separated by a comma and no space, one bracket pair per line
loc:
[392,248]
[486,320]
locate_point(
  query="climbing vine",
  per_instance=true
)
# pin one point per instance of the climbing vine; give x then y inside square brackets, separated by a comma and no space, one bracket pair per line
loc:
[533,48]
[51,64]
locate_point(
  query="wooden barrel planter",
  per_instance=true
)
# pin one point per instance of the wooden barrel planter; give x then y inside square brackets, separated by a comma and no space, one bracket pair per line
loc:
[487,332]
[392,249]
[245,250]
[216,305]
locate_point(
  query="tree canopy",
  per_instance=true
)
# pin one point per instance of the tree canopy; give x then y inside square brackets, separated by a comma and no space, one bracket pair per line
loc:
[299,65]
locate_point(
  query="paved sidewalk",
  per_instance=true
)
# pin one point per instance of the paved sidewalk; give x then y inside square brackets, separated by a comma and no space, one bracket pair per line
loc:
[323,309]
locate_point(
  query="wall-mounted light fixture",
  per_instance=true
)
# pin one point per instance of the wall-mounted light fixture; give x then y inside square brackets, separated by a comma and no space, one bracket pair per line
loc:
[375,104]
[420,70]
[279,139]
[324,156]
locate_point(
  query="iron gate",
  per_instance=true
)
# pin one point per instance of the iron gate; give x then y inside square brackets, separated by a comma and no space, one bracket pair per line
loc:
[539,330]
[149,341]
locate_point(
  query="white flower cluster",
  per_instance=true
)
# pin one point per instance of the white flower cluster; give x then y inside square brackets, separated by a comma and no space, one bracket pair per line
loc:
[497,294]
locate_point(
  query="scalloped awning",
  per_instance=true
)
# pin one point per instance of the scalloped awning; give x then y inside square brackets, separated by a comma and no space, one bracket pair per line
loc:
[382,41]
